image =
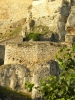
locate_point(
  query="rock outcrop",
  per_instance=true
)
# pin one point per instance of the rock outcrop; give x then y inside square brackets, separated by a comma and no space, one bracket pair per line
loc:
[11,11]
[54,15]
[31,61]
[15,76]
[70,24]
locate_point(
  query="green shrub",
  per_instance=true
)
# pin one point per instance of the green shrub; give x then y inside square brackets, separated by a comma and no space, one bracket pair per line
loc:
[64,89]
[29,86]
[33,36]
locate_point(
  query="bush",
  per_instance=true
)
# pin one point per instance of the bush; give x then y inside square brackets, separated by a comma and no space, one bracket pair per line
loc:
[29,86]
[33,36]
[64,89]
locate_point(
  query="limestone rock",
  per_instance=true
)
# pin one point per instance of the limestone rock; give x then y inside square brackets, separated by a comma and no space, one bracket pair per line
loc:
[12,11]
[54,15]
[42,71]
[15,76]
[71,18]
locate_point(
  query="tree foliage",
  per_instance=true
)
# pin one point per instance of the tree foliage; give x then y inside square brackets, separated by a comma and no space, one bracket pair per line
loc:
[64,89]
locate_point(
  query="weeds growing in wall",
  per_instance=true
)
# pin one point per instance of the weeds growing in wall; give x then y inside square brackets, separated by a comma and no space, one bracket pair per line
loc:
[33,36]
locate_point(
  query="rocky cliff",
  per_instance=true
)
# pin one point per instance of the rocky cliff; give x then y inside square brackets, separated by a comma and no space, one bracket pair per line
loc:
[32,61]
[57,15]
[15,76]
[12,10]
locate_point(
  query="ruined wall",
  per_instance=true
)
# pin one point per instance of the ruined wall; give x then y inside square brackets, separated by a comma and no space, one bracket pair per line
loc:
[12,10]
[29,52]
[20,53]
[46,51]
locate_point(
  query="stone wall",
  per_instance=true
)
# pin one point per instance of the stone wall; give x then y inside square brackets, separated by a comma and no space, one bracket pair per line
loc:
[20,53]
[29,52]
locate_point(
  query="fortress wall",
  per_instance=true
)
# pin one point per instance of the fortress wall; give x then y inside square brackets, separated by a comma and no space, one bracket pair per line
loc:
[20,54]
[31,52]
[46,51]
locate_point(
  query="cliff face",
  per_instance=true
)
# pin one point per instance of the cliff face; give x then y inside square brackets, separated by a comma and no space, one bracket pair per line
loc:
[38,57]
[15,76]
[12,10]
[55,14]
[70,25]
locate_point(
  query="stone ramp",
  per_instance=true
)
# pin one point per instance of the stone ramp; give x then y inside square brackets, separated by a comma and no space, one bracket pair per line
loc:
[18,39]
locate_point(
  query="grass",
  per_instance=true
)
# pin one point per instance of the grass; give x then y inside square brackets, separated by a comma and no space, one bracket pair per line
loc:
[13,95]
[33,36]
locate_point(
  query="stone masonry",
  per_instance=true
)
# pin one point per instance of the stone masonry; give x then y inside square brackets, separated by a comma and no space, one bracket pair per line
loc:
[30,52]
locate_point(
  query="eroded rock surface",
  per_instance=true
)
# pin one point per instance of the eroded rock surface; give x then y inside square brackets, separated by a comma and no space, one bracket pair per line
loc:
[15,76]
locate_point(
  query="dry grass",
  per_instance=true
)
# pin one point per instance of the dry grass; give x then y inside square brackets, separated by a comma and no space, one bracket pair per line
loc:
[11,34]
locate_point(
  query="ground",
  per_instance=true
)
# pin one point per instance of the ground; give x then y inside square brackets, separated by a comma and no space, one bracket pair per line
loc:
[8,94]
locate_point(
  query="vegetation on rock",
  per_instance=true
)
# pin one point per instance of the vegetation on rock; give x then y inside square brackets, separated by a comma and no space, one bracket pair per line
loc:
[33,36]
